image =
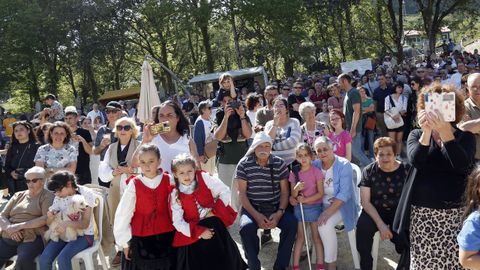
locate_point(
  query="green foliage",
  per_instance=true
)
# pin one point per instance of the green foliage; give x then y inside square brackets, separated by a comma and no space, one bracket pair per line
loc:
[80,49]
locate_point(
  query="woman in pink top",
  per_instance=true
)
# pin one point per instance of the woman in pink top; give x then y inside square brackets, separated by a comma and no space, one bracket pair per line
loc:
[342,141]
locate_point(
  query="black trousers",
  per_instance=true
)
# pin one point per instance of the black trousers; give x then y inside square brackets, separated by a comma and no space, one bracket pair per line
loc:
[366,229]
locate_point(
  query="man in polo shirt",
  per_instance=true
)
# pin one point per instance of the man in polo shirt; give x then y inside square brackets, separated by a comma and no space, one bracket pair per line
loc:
[263,192]
[105,135]
[379,95]
[472,110]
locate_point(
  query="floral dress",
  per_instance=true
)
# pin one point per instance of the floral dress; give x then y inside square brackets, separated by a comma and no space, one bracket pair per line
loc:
[56,158]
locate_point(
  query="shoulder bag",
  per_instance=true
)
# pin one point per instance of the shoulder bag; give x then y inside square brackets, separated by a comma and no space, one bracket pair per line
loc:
[390,114]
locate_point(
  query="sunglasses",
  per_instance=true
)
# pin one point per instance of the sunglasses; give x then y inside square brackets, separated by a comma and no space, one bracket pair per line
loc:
[34,180]
[412,84]
[126,128]
[286,89]
[111,111]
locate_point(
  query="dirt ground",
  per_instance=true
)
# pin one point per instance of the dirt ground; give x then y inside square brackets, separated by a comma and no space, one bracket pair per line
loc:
[387,257]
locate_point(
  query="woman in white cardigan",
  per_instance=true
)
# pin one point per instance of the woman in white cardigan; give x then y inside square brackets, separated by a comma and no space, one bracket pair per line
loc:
[400,102]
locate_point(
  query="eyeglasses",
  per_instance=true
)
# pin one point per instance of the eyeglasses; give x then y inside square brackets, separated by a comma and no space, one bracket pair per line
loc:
[286,89]
[126,128]
[34,180]
[412,84]
[111,111]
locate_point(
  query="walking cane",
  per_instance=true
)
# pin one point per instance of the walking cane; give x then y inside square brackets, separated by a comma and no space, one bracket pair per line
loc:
[296,169]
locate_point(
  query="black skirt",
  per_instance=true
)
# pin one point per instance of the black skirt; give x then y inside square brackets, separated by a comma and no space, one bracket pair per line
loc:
[151,253]
[218,253]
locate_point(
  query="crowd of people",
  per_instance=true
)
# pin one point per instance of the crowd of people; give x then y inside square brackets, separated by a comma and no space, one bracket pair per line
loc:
[278,157]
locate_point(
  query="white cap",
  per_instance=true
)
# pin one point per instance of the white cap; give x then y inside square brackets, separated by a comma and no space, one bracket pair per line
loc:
[70,109]
[260,137]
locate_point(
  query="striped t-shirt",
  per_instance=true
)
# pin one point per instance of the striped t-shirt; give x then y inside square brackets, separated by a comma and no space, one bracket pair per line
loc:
[259,183]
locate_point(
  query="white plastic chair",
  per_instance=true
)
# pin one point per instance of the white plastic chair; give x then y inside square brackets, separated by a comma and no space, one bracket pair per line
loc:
[352,233]
[14,258]
[87,254]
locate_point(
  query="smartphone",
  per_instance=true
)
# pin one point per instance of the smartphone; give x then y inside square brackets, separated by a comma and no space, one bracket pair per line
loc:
[444,103]
[160,128]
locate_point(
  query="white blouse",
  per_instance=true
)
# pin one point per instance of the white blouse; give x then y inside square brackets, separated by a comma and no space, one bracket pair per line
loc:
[122,229]
[219,191]
[400,104]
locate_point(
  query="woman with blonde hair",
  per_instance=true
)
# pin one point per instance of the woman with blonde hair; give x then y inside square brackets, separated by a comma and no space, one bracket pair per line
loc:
[118,164]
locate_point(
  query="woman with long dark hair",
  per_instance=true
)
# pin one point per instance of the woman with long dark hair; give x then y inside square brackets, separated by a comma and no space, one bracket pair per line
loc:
[173,141]
[20,155]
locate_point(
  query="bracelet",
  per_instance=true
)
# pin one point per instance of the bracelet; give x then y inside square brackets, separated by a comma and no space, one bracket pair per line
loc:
[243,118]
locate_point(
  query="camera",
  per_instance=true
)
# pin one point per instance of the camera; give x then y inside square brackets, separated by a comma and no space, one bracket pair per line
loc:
[160,128]
[235,104]
[20,173]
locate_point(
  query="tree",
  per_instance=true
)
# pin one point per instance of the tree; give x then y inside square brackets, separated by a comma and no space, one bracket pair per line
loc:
[397,26]
[433,14]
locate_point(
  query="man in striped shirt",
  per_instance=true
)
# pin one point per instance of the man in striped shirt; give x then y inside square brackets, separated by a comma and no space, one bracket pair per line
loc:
[263,192]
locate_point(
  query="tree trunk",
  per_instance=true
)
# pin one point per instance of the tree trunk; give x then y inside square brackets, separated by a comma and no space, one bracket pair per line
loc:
[192,50]
[238,54]
[169,85]
[288,63]
[34,88]
[208,48]
[397,27]
[71,81]
[381,31]
[350,30]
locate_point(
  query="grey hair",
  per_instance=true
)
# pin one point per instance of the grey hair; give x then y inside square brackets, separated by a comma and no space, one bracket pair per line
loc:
[305,105]
[323,139]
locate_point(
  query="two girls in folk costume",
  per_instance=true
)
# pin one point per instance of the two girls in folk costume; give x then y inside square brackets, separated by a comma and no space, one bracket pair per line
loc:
[143,225]
[201,212]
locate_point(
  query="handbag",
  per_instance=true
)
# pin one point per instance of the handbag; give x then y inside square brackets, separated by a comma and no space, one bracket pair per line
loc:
[389,116]
[371,122]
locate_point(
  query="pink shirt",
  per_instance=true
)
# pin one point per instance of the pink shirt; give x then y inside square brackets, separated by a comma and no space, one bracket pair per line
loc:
[340,142]
[310,178]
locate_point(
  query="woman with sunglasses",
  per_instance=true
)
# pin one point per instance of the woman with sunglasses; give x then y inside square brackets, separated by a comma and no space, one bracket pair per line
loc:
[23,220]
[20,156]
[117,165]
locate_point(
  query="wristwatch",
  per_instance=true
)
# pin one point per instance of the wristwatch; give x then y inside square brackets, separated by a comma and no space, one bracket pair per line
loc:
[282,210]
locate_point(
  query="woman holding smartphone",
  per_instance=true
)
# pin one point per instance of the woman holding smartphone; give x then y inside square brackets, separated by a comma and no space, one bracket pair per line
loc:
[173,140]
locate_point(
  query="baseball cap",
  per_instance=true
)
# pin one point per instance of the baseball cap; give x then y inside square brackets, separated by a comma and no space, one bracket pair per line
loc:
[70,109]
[113,105]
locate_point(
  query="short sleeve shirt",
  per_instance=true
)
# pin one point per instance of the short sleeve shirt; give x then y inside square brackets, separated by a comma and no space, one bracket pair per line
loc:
[103,130]
[259,180]
[61,204]
[385,187]
[351,98]
[310,178]
[57,106]
[54,158]
[469,237]
[340,142]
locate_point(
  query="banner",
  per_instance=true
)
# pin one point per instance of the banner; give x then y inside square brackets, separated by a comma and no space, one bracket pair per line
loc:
[360,65]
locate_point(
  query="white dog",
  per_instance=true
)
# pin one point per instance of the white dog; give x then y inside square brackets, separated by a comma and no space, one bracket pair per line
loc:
[72,212]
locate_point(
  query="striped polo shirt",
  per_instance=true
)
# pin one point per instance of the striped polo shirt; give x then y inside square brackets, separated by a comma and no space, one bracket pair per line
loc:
[259,183]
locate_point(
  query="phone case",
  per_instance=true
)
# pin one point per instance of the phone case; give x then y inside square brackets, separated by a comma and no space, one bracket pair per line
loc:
[444,103]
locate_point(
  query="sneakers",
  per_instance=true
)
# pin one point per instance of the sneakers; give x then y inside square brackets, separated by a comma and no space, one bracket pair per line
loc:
[226,139]
[265,239]
[339,228]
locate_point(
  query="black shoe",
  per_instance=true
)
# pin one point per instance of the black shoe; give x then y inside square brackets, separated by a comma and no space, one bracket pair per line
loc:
[265,239]
[7,197]
[339,228]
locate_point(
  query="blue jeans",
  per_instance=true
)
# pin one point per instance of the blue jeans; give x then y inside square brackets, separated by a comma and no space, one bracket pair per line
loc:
[26,252]
[248,233]
[357,150]
[63,252]
[371,138]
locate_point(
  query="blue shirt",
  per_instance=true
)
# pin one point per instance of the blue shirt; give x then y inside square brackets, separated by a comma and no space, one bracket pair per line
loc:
[469,237]
[343,190]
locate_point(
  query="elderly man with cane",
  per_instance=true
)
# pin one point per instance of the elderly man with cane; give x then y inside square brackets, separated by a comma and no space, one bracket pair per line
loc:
[263,192]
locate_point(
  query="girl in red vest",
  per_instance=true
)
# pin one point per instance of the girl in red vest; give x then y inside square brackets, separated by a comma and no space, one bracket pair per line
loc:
[201,212]
[143,225]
